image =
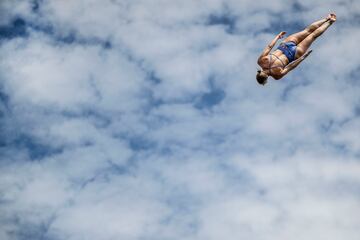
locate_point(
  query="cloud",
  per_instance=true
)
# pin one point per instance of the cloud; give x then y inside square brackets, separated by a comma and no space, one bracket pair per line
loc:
[127,120]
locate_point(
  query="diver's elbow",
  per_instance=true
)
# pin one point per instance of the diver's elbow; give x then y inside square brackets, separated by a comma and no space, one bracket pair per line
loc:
[278,77]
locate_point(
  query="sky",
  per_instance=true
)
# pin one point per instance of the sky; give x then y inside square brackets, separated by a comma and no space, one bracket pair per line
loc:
[143,120]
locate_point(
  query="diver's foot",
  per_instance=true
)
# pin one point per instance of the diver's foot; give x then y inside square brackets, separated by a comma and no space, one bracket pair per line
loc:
[331,17]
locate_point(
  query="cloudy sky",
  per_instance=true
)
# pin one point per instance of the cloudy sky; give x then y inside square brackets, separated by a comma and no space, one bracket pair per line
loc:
[142,119]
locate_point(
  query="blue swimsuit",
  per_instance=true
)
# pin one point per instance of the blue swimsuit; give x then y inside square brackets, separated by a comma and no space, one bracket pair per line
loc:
[289,49]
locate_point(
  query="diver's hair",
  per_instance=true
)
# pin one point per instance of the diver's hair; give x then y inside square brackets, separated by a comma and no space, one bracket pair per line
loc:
[261,77]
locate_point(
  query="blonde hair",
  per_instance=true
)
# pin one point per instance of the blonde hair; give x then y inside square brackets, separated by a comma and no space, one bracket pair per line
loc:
[261,77]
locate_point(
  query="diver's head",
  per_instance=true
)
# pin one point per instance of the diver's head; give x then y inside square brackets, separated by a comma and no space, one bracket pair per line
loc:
[261,77]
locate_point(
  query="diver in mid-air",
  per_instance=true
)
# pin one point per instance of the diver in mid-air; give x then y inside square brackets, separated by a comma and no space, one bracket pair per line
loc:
[291,52]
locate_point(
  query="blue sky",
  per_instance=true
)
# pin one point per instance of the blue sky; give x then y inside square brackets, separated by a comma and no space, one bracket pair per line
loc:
[143,120]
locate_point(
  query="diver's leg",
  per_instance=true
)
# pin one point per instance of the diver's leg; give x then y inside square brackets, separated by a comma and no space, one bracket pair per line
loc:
[312,27]
[304,45]
[298,37]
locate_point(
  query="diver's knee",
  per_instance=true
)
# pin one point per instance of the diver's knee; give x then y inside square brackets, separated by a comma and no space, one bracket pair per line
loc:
[311,28]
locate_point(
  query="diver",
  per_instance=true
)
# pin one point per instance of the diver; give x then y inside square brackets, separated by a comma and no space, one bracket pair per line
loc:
[291,52]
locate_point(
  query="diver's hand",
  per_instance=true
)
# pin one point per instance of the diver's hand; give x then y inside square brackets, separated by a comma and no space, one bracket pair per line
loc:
[281,35]
[307,54]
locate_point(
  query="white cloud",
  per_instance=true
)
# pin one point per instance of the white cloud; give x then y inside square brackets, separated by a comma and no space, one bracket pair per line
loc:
[104,138]
[11,8]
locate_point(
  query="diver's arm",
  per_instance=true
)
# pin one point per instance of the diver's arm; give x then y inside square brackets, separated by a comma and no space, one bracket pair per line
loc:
[268,48]
[294,64]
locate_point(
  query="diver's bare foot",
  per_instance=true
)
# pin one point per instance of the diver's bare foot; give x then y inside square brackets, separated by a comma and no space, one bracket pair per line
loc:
[331,17]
